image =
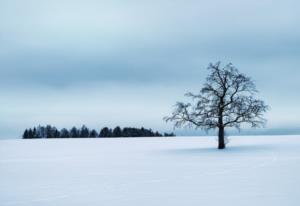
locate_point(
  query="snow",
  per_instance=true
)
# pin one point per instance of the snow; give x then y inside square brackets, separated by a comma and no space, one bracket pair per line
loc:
[178,171]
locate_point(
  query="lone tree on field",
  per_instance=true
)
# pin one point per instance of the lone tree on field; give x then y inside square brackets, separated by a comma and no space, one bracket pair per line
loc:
[226,100]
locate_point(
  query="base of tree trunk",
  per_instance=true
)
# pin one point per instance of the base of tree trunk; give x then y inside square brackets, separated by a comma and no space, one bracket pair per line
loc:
[221,137]
[222,146]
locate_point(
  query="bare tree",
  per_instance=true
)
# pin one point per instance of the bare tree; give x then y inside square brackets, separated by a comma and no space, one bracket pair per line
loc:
[226,100]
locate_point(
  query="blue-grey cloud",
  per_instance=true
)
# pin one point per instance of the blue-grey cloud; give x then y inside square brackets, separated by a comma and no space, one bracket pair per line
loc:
[49,47]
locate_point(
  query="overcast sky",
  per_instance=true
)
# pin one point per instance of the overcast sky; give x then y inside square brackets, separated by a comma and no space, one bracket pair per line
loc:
[126,63]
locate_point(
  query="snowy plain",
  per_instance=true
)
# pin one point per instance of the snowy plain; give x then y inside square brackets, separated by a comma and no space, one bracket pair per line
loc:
[175,171]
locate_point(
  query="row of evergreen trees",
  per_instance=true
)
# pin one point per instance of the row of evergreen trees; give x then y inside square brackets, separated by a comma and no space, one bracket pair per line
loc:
[84,132]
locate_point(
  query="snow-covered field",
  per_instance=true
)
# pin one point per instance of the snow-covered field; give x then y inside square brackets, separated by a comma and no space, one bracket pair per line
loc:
[253,171]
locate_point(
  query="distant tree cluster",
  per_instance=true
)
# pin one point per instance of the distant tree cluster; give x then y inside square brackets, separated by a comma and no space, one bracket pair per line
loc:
[84,132]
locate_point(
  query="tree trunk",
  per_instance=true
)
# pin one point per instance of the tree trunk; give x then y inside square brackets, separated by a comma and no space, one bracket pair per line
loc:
[221,138]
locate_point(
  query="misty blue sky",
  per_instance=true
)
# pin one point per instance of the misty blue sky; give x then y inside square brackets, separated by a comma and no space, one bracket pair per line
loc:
[127,62]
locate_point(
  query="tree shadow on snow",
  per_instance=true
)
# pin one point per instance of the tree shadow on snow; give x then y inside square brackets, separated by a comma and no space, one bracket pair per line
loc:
[230,150]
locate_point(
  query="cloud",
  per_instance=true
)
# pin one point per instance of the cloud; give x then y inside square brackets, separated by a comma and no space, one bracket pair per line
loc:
[58,45]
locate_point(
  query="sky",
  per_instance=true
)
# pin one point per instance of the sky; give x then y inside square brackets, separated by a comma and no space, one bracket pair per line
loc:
[109,63]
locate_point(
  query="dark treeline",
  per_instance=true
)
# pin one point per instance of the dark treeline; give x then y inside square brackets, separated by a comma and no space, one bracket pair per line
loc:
[84,132]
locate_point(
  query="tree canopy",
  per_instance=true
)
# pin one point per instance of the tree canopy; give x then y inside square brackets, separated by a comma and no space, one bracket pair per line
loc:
[227,99]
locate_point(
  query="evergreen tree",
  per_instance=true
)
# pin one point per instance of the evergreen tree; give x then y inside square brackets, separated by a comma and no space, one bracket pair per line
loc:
[64,133]
[105,132]
[157,134]
[56,133]
[34,133]
[142,132]
[125,132]
[93,133]
[84,132]
[49,132]
[25,134]
[41,131]
[74,132]
[117,132]
[30,134]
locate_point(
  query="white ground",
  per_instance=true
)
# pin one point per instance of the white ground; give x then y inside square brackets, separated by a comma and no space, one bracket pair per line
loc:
[253,171]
